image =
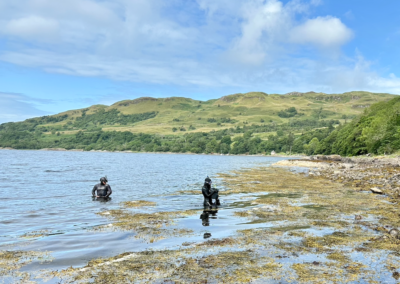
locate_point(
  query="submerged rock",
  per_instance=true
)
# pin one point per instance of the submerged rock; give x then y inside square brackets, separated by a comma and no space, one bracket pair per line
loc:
[358,217]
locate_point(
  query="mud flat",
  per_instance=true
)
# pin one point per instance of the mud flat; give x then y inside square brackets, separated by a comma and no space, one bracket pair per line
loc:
[321,226]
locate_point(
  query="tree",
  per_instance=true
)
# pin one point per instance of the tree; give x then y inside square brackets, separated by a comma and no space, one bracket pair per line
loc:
[312,146]
[212,146]
[290,141]
[247,134]
[226,140]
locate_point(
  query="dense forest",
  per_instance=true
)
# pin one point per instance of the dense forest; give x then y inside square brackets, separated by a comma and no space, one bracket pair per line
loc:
[235,140]
[377,131]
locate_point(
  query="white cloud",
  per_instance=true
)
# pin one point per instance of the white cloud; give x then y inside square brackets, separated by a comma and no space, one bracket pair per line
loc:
[32,28]
[254,44]
[327,32]
[261,27]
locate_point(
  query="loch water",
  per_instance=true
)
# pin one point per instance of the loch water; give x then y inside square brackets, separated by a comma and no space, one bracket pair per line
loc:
[50,191]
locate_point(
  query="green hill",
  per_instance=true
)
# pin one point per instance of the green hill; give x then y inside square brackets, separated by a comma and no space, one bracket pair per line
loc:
[239,108]
[377,131]
[255,122]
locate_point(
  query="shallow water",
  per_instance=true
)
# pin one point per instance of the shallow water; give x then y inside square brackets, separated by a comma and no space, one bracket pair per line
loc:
[46,203]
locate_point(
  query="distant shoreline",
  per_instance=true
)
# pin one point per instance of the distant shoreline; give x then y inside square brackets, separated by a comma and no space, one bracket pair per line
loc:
[168,153]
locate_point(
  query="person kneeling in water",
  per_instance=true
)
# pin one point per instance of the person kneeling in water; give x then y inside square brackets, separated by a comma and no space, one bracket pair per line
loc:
[210,193]
[103,189]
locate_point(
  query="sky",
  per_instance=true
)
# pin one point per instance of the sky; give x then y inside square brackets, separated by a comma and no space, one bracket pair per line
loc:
[62,55]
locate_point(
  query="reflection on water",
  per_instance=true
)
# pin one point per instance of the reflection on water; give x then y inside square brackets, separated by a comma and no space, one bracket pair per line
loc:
[206,215]
[101,199]
[46,191]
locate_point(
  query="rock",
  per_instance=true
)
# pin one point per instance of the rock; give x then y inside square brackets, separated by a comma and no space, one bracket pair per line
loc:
[381,238]
[394,233]
[206,235]
[336,158]
[358,217]
[376,190]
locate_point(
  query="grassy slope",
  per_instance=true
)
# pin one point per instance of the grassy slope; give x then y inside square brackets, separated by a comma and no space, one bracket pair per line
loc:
[249,107]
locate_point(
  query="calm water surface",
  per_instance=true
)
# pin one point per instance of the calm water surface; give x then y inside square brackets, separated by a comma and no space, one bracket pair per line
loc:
[51,191]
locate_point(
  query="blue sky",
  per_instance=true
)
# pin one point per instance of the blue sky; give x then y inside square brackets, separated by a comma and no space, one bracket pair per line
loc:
[61,55]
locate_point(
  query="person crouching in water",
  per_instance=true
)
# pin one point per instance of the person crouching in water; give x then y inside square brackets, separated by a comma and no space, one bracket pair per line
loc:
[210,193]
[103,189]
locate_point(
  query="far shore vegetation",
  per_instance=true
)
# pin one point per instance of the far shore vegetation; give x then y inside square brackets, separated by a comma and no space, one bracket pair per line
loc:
[253,123]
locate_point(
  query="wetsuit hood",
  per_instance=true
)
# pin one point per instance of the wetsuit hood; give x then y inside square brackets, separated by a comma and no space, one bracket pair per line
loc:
[207,182]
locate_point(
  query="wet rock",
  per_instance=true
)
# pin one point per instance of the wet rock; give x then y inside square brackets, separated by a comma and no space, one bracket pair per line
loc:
[281,256]
[387,228]
[396,275]
[376,190]
[207,235]
[394,233]
[358,217]
[382,238]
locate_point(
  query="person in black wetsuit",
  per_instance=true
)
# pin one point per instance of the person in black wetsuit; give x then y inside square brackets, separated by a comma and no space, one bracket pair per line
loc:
[209,193]
[103,189]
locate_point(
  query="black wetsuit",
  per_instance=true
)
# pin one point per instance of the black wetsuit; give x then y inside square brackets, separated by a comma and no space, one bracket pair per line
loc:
[102,190]
[209,194]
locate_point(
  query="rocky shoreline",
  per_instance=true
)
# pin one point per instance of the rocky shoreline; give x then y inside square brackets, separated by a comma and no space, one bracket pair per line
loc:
[322,226]
[377,174]
[135,152]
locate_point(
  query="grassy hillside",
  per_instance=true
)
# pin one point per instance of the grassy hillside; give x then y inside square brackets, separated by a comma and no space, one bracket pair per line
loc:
[233,110]
[254,122]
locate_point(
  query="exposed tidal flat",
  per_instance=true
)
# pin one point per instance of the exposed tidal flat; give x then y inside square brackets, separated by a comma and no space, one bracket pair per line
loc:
[277,224]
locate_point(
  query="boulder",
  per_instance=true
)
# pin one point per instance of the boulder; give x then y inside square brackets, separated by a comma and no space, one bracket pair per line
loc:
[336,158]
[394,233]
[376,190]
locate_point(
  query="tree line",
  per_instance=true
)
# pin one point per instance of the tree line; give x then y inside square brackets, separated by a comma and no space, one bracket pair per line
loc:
[226,141]
[376,131]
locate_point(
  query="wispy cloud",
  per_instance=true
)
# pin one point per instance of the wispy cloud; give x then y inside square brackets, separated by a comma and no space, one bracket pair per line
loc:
[262,44]
[18,107]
